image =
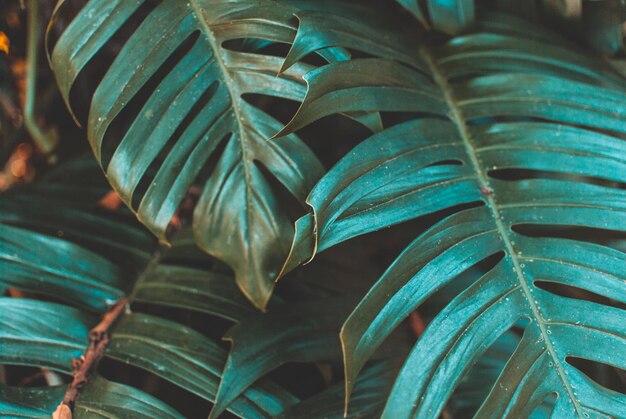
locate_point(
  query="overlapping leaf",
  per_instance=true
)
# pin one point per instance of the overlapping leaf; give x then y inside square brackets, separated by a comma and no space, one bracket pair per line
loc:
[296,333]
[101,398]
[506,135]
[368,399]
[49,255]
[195,108]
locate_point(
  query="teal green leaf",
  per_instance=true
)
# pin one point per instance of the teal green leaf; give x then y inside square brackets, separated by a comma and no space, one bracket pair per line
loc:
[99,399]
[30,259]
[449,16]
[301,331]
[320,29]
[196,107]
[188,359]
[193,289]
[476,383]
[598,23]
[106,399]
[78,269]
[29,402]
[512,109]
[91,259]
[42,334]
[71,253]
[199,106]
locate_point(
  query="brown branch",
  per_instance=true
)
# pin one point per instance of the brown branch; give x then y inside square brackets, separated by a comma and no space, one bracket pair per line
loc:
[100,331]
[98,341]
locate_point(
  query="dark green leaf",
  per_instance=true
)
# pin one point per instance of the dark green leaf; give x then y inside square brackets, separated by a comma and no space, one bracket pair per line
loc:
[604,23]
[29,402]
[188,359]
[370,391]
[301,331]
[193,289]
[39,263]
[449,16]
[99,399]
[105,399]
[95,261]
[238,218]
[37,333]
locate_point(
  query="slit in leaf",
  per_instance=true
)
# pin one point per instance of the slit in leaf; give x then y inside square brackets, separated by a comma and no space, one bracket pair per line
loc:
[91,75]
[122,122]
[607,376]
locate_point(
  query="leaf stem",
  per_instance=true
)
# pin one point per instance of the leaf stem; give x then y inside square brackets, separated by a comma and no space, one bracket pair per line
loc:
[46,140]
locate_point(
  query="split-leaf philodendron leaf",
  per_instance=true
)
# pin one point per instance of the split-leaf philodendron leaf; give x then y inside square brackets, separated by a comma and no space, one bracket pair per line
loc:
[517,141]
[196,110]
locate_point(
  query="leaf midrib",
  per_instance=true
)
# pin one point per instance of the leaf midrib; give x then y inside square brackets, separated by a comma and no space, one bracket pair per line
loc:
[233,93]
[458,120]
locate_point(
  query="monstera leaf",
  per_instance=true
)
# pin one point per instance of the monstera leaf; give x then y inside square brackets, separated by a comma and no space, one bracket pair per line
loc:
[86,259]
[518,144]
[196,109]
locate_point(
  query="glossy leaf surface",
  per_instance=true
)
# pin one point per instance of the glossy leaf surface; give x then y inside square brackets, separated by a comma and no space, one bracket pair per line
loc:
[196,110]
[514,108]
[89,270]
[189,360]
[301,331]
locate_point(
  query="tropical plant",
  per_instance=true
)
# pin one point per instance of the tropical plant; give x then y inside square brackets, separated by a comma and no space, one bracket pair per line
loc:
[503,143]
[81,274]
[198,103]
[491,146]
[96,260]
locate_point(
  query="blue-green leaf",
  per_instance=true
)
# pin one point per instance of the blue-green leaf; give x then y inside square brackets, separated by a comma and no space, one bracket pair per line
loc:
[556,119]
[196,107]
[42,334]
[189,360]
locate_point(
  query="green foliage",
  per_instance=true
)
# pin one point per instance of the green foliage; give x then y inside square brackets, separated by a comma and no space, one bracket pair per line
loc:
[505,142]
[486,103]
[89,267]
[197,106]
[450,16]
[87,258]
[599,22]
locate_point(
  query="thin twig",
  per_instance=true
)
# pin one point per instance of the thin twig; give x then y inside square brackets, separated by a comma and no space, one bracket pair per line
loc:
[98,341]
[100,331]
